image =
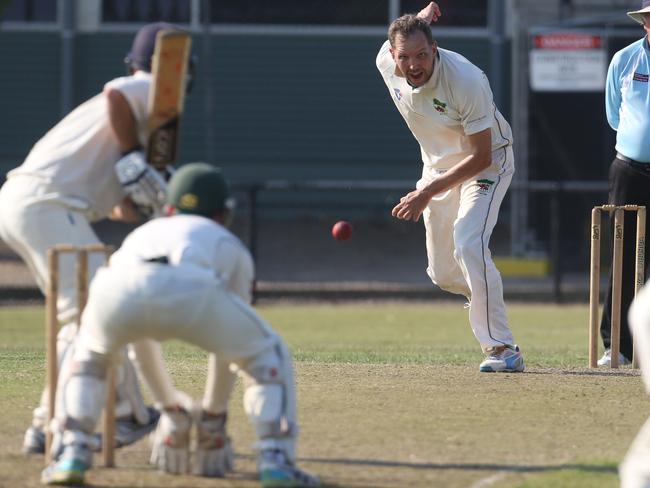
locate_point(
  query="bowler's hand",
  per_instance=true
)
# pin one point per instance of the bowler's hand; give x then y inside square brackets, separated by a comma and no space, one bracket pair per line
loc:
[411,206]
[430,13]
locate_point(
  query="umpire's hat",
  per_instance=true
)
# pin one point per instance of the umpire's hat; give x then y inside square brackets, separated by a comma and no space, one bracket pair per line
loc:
[638,14]
[200,189]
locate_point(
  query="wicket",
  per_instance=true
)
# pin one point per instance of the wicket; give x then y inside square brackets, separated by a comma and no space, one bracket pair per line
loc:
[52,329]
[617,271]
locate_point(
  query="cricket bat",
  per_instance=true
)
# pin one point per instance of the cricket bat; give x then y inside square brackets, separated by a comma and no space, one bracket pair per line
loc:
[167,95]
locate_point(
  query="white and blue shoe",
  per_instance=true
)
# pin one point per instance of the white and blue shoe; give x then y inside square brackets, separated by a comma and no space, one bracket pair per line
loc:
[277,472]
[606,360]
[506,359]
[69,469]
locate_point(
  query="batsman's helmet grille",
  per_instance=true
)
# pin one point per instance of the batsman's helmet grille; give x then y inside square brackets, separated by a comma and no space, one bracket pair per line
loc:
[200,189]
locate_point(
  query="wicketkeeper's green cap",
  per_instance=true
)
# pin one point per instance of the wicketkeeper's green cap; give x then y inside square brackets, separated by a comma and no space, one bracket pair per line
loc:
[198,188]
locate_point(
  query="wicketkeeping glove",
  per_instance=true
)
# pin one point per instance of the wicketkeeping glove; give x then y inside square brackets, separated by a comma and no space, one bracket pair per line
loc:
[171,442]
[214,453]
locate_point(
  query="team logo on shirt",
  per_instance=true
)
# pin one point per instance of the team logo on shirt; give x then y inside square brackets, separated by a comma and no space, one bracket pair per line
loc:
[440,106]
[640,77]
[484,186]
[398,93]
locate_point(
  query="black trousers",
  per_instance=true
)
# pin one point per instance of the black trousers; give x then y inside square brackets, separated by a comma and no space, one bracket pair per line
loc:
[629,183]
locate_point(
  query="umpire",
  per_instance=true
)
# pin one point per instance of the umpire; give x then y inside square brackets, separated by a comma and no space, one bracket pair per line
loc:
[627,102]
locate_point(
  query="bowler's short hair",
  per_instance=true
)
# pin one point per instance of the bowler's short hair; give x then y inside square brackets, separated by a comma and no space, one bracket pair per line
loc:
[406,26]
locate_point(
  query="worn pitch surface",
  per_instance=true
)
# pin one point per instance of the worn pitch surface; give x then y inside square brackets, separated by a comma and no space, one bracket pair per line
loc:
[389,396]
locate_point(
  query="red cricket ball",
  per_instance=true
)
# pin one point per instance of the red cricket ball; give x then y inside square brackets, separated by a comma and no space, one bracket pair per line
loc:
[342,230]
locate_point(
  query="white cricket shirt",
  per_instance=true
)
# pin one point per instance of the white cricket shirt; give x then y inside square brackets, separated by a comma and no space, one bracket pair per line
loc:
[195,243]
[454,103]
[76,158]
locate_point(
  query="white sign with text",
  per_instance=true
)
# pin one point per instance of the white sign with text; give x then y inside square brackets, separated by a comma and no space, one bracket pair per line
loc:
[561,62]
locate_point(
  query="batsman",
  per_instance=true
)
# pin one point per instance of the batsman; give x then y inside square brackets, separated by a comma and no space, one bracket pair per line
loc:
[184,277]
[88,167]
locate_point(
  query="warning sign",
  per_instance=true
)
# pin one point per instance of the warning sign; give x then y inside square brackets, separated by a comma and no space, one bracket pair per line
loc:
[566,61]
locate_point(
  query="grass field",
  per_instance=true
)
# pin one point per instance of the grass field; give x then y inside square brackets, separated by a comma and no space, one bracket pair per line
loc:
[389,396]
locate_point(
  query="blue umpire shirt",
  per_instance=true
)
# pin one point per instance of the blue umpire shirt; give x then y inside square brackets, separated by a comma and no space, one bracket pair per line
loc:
[627,100]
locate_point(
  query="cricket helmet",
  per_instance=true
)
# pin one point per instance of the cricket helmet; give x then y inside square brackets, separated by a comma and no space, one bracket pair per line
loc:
[199,189]
[143,46]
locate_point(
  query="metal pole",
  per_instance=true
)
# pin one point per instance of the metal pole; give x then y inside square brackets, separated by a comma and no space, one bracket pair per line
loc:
[496,26]
[556,255]
[67,55]
[195,14]
[393,9]
[566,9]
[252,228]
[519,123]
[206,13]
[252,220]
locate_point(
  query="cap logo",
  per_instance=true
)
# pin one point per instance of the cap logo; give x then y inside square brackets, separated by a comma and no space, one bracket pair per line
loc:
[189,201]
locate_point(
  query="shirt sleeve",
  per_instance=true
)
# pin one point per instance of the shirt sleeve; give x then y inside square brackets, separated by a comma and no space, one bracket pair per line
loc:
[136,92]
[235,266]
[475,104]
[613,93]
[385,63]
[241,281]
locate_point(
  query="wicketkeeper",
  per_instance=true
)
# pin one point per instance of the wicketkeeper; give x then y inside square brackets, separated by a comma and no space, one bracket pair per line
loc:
[184,277]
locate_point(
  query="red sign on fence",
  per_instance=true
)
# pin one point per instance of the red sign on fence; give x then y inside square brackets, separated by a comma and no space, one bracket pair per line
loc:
[567,40]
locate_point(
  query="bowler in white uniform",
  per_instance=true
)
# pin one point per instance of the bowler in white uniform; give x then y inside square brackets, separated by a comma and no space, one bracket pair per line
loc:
[466,147]
[177,277]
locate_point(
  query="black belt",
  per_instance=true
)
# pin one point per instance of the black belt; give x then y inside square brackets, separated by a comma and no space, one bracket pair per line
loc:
[158,259]
[628,160]
[635,164]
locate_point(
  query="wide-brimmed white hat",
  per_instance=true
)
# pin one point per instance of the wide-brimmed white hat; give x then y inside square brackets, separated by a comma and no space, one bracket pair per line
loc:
[638,14]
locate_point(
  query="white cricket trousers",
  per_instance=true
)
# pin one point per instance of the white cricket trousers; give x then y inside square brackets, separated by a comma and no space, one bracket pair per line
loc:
[33,219]
[458,224]
[635,469]
[159,301]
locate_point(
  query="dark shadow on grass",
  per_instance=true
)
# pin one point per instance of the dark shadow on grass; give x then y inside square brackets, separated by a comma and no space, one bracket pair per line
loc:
[630,373]
[514,468]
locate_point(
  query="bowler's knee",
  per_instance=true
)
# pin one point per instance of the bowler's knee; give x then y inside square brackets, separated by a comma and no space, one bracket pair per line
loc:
[467,247]
[450,279]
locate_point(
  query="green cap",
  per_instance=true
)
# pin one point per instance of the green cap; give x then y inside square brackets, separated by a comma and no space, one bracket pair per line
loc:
[198,188]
